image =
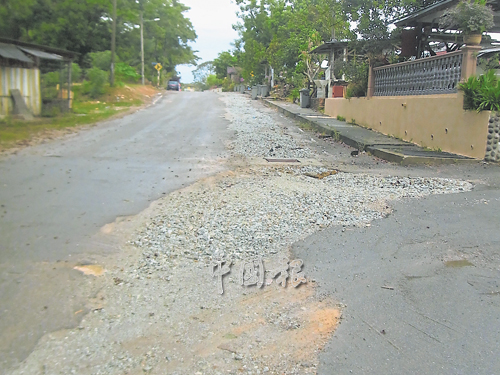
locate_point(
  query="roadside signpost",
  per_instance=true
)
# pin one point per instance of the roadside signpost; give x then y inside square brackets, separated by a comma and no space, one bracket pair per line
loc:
[158,67]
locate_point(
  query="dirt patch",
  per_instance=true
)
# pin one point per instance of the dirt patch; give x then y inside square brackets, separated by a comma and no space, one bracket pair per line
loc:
[132,92]
[322,175]
[91,269]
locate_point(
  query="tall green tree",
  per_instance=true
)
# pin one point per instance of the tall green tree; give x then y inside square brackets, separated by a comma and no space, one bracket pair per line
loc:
[372,17]
[222,62]
[76,25]
[84,26]
[280,32]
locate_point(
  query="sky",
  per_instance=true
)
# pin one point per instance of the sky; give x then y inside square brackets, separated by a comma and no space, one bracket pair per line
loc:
[212,20]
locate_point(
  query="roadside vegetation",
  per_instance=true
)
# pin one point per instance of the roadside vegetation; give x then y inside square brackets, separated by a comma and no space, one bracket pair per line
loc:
[86,110]
[85,27]
[482,93]
[281,35]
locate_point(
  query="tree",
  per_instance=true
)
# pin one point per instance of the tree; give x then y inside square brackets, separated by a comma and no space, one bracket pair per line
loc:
[281,33]
[202,73]
[222,62]
[374,16]
[203,70]
[84,26]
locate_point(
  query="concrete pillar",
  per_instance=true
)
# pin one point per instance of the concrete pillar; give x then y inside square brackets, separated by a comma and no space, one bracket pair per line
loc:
[469,61]
[371,82]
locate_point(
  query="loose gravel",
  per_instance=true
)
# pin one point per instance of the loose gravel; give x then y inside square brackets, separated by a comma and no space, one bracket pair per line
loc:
[258,135]
[270,209]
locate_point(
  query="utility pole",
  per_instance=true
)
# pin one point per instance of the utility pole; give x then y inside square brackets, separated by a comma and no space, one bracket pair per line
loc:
[142,45]
[113,44]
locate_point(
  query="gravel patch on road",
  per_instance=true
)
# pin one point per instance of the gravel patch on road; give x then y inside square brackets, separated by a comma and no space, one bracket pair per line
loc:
[266,210]
[257,134]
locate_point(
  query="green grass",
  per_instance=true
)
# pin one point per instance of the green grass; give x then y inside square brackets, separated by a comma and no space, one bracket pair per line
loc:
[14,132]
[336,135]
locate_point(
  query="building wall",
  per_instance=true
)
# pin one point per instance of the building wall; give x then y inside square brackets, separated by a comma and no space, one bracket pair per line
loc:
[27,81]
[433,121]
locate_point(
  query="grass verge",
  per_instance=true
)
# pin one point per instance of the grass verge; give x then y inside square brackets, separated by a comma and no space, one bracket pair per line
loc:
[16,133]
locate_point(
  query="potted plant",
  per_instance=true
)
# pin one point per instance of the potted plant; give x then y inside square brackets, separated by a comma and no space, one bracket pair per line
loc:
[470,17]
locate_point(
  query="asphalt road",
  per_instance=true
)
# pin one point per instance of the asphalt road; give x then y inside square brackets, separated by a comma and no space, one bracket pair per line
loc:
[421,288]
[55,197]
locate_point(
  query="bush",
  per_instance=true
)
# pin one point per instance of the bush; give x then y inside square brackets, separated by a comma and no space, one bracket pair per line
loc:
[97,81]
[102,60]
[356,90]
[76,72]
[482,93]
[356,73]
[227,85]
[50,79]
[50,93]
[125,73]
[294,94]
[212,81]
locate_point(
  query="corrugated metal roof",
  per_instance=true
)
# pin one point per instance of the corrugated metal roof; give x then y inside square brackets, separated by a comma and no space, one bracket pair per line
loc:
[9,51]
[328,47]
[434,12]
[41,54]
[66,55]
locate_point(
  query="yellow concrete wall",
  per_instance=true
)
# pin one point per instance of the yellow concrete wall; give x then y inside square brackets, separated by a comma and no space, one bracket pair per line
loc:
[433,121]
[27,81]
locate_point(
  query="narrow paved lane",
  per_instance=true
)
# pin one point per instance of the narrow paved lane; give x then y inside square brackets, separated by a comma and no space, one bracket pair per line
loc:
[56,196]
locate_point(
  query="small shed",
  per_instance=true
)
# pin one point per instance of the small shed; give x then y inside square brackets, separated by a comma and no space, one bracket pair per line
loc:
[335,50]
[234,73]
[20,91]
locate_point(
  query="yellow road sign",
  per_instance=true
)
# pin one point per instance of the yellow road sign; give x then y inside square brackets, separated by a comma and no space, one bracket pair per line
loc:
[158,66]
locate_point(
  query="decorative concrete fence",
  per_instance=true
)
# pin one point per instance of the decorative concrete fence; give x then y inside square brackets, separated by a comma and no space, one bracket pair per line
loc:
[434,75]
[418,101]
[428,76]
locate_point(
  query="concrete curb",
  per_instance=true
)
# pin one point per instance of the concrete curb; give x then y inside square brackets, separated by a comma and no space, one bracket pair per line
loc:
[376,149]
[402,159]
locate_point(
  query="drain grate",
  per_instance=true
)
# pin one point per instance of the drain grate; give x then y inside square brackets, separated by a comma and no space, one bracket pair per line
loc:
[282,160]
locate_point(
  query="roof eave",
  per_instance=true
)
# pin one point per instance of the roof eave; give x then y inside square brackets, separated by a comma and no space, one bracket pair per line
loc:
[67,55]
[411,19]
